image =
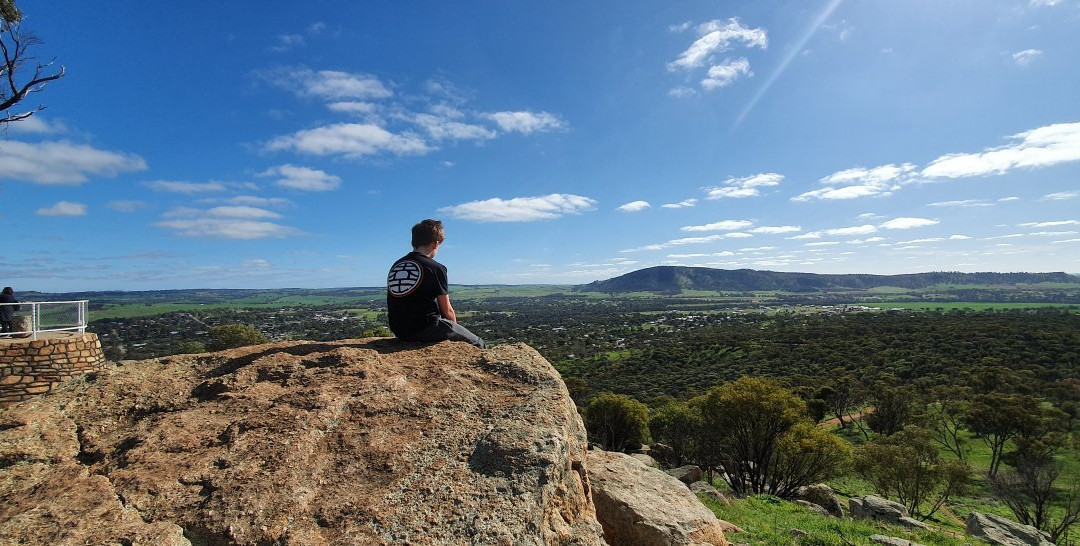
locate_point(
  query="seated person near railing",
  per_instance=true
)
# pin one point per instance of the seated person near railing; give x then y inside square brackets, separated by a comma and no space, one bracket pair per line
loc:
[7,312]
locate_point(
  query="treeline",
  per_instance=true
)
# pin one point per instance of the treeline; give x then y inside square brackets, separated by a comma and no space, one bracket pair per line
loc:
[1041,347]
[913,447]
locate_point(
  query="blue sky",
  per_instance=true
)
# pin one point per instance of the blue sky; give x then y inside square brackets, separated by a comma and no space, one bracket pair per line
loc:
[284,144]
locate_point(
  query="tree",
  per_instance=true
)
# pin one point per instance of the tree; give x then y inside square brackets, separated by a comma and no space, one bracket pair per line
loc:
[893,408]
[998,418]
[762,438]
[617,421]
[943,418]
[230,336]
[18,79]
[1030,492]
[676,424]
[908,467]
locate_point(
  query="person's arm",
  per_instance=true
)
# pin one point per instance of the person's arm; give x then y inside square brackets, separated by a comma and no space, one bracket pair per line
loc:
[445,308]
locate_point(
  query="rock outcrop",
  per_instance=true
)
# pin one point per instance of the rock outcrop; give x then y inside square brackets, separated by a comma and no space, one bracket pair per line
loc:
[642,506]
[998,530]
[351,442]
[823,496]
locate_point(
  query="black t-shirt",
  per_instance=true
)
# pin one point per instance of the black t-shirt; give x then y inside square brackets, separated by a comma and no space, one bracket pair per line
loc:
[411,288]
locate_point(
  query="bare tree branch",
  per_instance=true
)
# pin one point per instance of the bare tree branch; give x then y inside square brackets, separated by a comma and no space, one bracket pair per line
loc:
[14,46]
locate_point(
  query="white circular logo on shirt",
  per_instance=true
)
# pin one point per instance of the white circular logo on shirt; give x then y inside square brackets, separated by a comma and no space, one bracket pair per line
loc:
[404,277]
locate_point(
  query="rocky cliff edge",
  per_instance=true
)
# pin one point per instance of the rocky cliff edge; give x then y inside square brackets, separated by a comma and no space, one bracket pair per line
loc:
[352,442]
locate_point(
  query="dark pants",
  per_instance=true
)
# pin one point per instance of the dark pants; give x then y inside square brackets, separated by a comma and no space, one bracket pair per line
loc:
[443,330]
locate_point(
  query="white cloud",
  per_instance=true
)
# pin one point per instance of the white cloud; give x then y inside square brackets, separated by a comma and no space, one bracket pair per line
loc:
[316,28]
[959,237]
[686,203]
[441,128]
[227,228]
[865,241]
[125,206]
[352,107]
[716,36]
[861,182]
[62,162]
[1043,3]
[37,125]
[775,230]
[908,223]
[1042,147]
[241,212]
[1061,196]
[64,208]
[352,140]
[326,84]
[1054,223]
[285,42]
[249,200]
[1065,241]
[962,203]
[186,187]
[807,235]
[723,225]
[681,27]
[525,122]
[853,230]
[302,178]
[634,206]
[521,209]
[747,186]
[1008,199]
[1025,57]
[690,241]
[726,73]
[681,92]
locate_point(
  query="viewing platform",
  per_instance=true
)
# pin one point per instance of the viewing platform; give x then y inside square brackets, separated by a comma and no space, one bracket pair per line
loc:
[47,346]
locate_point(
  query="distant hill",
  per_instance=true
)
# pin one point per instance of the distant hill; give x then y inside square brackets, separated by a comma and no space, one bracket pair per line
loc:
[675,279]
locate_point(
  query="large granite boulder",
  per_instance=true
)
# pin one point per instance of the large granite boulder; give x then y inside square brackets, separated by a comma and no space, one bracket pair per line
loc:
[876,508]
[687,474]
[823,496]
[998,530]
[642,506]
[351,442]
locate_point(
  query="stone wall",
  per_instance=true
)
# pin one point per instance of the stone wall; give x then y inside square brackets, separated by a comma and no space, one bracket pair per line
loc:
[28,368]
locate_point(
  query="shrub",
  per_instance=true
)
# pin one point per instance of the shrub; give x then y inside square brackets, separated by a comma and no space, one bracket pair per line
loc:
[617,421]
[230,336]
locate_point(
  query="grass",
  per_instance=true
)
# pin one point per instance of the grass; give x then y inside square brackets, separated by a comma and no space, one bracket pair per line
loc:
[765,519]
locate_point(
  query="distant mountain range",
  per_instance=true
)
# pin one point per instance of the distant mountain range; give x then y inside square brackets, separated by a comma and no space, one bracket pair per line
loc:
[674,279]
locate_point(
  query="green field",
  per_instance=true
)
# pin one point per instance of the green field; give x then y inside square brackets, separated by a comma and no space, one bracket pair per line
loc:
[975,306]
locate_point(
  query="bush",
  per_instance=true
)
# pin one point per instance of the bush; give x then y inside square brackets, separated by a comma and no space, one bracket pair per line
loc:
[676,424]
[230,336]
[617,421]
[907,466]
[760,435]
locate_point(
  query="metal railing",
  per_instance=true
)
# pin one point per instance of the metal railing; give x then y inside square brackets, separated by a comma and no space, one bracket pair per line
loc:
[46,316]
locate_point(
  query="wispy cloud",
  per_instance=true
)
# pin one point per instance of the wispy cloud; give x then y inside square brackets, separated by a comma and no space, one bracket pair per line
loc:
[1042,147]
[725,73]
[748,186]
[962,203]
[690,241]
[1025,57]
[716,36]
[351,140]
[248,200]
[723,225]
[326,84]
[908,223]
[352,107]
[63,208]
[526,122]
[634,206]
[446,127]
[686,203]
[775,230]
[302,178]
[1054,223]
[226,222]
[62,162]
[125,206]
[521,209]
[189,188]
[1061,196]
[860,182]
